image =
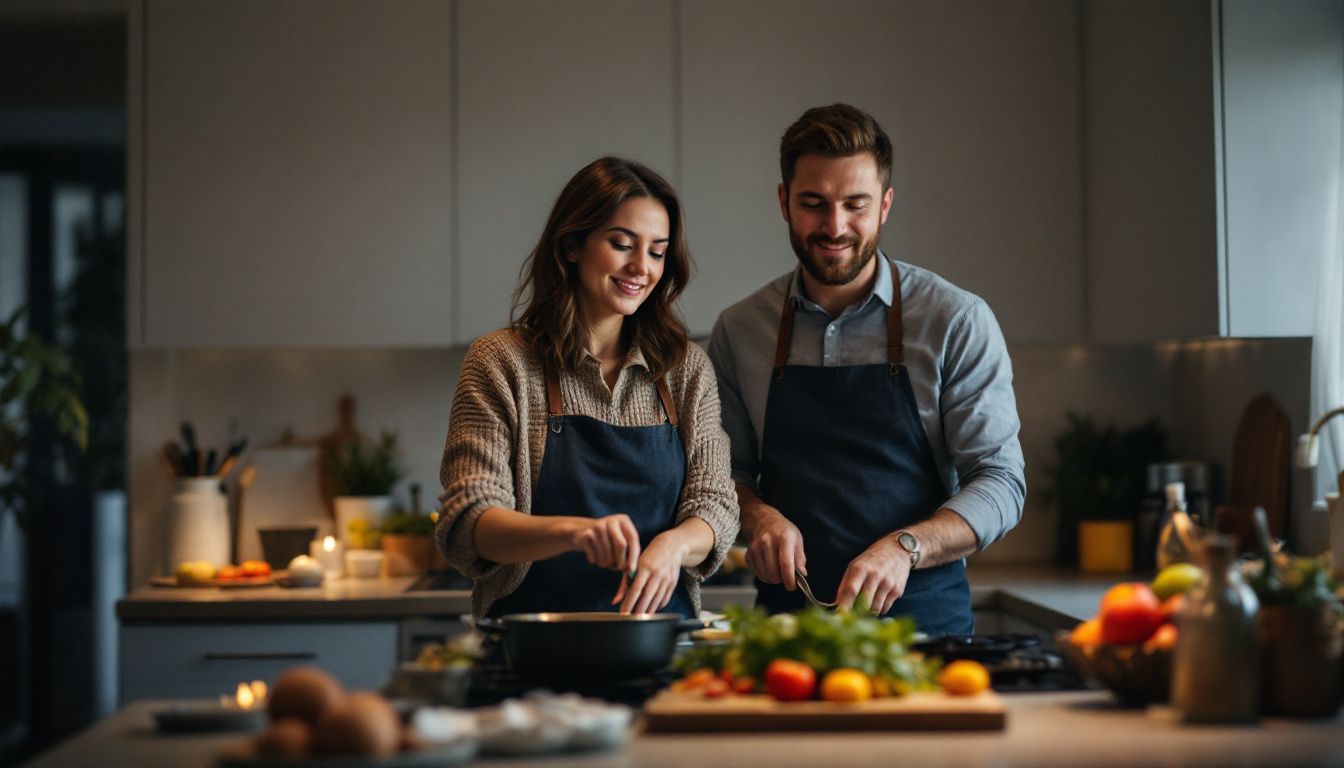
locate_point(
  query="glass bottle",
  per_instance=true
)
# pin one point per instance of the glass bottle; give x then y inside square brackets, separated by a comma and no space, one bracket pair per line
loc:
[1216,663]
[1176,542]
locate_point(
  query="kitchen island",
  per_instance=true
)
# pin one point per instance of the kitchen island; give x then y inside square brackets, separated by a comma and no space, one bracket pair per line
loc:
[1043,729]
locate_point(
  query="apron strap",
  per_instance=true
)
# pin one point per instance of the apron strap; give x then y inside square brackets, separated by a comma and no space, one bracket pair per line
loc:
[555,404]
[895,337]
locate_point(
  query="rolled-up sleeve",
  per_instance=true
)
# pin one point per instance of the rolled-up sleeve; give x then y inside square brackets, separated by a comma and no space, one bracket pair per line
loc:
[981,425]
[476,473]
[735,418]
[708,490]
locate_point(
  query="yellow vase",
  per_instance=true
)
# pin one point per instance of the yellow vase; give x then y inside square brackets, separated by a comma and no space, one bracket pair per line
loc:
[1106,546]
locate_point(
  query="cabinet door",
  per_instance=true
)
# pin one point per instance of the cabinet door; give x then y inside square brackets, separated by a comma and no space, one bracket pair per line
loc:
[296,173]
[544,89]
[175,661]
[1283,63]
[979,99]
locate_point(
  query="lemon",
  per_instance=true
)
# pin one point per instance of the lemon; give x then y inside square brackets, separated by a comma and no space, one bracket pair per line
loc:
[1176,579]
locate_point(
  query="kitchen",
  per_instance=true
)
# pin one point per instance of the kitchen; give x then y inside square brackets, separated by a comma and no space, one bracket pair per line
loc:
[1057,158]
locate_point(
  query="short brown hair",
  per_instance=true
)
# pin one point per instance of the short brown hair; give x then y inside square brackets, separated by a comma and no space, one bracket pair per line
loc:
[549,283]
[837,130]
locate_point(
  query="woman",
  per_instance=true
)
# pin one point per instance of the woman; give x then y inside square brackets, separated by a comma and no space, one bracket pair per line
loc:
[585,467]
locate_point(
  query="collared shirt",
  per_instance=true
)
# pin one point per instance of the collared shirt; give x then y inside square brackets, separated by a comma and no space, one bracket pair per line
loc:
[958,365]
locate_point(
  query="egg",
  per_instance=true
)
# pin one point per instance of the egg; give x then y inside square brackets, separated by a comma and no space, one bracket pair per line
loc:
[362,724]
[289,738]
[304,693]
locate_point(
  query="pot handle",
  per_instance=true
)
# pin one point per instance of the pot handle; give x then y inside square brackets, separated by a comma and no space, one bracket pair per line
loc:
[491,626]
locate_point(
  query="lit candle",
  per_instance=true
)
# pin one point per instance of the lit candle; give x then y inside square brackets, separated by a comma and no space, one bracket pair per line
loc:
[327,551]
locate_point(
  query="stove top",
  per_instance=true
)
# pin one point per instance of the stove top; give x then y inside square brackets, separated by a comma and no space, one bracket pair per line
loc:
[1016,662]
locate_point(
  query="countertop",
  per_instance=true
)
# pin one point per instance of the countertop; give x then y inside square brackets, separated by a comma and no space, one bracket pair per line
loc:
[1043,729]
[1066,595]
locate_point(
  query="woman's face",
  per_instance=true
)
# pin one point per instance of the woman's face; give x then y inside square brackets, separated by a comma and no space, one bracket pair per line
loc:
[622,260]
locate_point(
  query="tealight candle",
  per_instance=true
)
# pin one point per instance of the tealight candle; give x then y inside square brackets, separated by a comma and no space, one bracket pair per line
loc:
[327,551]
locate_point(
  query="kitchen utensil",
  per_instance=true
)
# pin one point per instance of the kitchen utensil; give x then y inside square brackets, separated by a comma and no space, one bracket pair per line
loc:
[560,646]
[691,712]
[807,591]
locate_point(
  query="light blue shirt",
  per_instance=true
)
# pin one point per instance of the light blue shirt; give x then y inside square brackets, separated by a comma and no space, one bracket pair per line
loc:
[958,365]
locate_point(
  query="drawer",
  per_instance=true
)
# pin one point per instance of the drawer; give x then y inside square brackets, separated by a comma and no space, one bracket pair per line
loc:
[203,661]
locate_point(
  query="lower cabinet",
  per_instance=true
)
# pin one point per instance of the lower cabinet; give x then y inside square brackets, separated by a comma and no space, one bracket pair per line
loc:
[161,661]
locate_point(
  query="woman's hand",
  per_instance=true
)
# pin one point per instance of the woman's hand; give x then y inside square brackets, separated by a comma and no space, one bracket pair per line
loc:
[656,576]
[609,542]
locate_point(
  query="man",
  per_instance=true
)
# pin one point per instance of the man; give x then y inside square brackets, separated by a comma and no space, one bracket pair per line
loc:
[869,402]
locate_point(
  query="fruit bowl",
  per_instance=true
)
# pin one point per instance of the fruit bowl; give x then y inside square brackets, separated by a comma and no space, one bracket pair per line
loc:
[1138,675]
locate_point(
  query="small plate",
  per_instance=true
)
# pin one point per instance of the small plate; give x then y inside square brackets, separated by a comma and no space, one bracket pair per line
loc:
[434,756]
[204,718]
[250,581]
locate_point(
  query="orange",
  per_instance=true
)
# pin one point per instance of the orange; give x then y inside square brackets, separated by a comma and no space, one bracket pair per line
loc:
[1163,638]
[1086,634]
[964,678]
[846,684]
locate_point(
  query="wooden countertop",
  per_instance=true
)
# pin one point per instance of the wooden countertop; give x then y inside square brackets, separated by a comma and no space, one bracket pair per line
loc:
[1043,729]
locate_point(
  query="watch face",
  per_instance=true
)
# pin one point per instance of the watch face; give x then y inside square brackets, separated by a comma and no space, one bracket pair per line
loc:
[908,541]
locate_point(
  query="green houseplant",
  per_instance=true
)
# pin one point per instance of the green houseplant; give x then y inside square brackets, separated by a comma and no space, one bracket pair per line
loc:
[36,383]
[364,473]
[1301,633]
[408,541]
[1098,475]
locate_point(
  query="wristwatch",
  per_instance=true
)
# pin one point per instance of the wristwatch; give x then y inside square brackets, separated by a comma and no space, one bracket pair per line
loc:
[910,544]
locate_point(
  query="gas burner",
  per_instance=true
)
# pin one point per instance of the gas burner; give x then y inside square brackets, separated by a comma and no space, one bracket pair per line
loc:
[977,647]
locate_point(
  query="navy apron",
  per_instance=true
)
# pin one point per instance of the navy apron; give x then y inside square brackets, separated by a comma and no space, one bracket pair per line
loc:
[594,469]
[844,457]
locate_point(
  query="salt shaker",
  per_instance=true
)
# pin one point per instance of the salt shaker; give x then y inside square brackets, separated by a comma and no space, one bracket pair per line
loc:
[1216,663]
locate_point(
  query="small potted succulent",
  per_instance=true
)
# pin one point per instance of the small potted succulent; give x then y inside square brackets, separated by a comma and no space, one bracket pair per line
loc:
[364,473]
[408,542]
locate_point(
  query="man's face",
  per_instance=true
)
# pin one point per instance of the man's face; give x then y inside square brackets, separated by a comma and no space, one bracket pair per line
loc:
[835,208]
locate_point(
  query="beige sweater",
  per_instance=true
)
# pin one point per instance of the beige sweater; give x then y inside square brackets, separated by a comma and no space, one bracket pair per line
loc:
[497,440]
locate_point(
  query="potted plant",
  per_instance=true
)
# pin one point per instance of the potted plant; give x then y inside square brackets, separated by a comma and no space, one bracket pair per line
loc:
[408,543]
[1097,482]
[36,382]
[1301,634]
[364,474]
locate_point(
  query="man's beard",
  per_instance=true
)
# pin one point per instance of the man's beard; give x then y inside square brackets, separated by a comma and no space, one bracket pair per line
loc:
[841,273]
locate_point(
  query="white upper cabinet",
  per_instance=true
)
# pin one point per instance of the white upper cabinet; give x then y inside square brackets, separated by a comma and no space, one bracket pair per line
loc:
[544,88]
[1212,134]
[980,101]
[292,161]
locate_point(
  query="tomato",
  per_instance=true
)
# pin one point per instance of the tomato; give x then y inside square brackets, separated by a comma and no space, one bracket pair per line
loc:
[698,679]
[744,684]
[227,572]
[716,688]
[846,684]
[254,568]
[1170,607]
[789,680]
[1130,613]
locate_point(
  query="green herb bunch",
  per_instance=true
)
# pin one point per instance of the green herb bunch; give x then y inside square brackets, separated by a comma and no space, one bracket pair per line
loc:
[823,640]
[361,469]
[1299,582]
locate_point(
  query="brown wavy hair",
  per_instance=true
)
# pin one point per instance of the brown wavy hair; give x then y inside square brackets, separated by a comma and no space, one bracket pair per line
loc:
[548,283]
[836,130]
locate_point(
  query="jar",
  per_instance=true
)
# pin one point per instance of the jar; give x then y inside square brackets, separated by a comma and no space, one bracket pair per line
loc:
[198,523]
[1216,662]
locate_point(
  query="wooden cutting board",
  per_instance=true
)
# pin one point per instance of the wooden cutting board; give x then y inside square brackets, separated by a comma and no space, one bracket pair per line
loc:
[691,712]
[1261,458]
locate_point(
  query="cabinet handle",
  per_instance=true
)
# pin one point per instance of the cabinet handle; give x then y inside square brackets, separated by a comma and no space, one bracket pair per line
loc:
[280,656]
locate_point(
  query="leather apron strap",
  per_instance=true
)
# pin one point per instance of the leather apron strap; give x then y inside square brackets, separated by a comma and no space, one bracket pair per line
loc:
[895,343]
[555,403]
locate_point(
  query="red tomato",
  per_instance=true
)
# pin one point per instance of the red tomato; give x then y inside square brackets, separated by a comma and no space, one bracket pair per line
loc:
[1130,613]
[716,688]
[744,684]
[254,568]
[1170,607]
[789,680]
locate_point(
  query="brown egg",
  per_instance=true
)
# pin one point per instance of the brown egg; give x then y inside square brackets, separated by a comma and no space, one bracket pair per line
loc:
[362,724]
[304,693]
[286,738]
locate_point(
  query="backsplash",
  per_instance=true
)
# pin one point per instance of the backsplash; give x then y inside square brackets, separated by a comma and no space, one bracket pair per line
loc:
[1197,390]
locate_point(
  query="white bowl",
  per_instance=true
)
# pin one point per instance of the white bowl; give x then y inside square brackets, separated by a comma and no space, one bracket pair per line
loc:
[363,563]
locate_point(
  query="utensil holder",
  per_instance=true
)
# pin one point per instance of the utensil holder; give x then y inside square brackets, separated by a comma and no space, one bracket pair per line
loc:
[198,523]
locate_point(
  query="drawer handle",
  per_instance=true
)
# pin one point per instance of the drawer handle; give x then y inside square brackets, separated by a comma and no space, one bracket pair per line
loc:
[280,656]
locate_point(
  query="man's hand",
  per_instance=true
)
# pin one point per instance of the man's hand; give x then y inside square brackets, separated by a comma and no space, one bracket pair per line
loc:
[776,548]
[881,572]
[608,542]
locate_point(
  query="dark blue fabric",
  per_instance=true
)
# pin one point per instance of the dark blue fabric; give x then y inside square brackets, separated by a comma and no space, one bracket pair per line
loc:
[844,457]
[594,469]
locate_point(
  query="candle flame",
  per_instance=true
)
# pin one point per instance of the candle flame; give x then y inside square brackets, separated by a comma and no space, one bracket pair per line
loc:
[244,696]
[258,690]
[329,544]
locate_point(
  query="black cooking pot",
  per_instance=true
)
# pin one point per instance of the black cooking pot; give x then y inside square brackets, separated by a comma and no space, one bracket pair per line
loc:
[609,646]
